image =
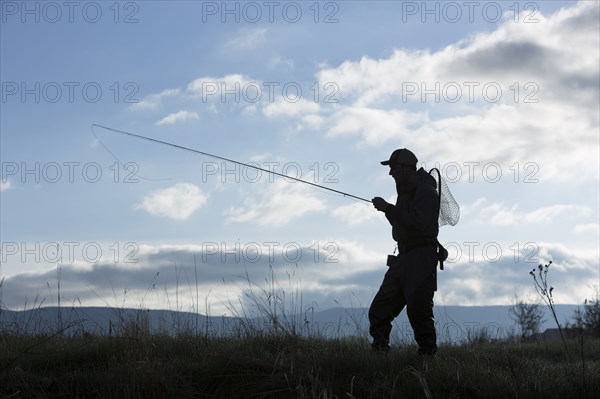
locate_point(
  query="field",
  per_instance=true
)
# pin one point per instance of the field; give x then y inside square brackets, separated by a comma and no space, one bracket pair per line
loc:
[46,353]
[287,366]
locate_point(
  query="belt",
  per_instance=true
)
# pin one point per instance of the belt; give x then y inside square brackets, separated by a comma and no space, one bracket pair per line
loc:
[404,248]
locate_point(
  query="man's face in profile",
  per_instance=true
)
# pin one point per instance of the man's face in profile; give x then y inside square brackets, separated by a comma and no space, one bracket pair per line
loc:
[400,173]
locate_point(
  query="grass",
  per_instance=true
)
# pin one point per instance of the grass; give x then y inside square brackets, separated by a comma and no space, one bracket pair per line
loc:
[287,367]
[284,360]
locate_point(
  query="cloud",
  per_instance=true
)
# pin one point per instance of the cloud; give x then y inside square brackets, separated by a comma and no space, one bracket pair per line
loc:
[261,157]
[247,39]
[278,204]
[531,89]
[327,273]
[154,101]
[217,88]
[539,52]
[255,95]
[178,202]
[223,269]
[277,61]
[285,108]
[471,209]
[5,185]
[375,125]
[547,213]
[305,110]
[499,214]
[180,116]
[587,228]
[479,281]
[354,214]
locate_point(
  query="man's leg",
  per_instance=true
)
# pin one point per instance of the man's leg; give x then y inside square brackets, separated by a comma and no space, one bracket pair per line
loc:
[420,314]
[387,305]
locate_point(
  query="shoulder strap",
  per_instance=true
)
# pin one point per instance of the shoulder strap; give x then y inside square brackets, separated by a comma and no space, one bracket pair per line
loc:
[442,252]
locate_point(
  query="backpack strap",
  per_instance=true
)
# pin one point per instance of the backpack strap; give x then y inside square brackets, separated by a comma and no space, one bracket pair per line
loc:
[442,252]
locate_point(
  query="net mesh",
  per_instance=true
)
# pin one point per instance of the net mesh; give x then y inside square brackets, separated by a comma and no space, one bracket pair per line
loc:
[449,209]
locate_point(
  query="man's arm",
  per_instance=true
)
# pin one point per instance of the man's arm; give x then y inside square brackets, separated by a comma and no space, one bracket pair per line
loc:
[423,212]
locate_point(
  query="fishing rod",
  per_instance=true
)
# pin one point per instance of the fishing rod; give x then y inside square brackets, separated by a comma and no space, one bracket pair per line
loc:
[139,136]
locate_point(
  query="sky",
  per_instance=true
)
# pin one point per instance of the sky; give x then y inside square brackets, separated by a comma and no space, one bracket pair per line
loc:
[502,97]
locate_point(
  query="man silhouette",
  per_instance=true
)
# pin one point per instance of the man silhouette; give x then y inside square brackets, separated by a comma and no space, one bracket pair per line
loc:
[411,278]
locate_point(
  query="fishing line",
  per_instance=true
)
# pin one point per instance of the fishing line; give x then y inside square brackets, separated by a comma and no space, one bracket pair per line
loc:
[119,161]
[138,136]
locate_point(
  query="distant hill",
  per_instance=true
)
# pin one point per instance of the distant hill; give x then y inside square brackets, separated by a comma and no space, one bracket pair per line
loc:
[454,324]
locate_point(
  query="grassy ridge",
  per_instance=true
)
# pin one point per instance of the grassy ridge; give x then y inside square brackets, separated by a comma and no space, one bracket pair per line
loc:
[289,367]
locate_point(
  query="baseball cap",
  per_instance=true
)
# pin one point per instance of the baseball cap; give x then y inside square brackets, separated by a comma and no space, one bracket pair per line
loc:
[401,156]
